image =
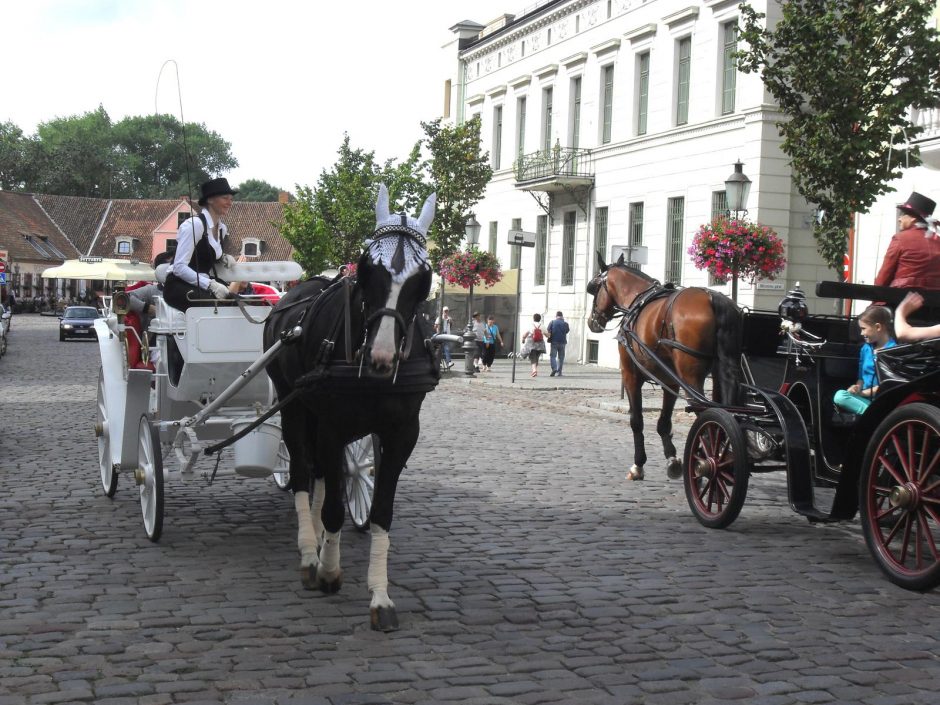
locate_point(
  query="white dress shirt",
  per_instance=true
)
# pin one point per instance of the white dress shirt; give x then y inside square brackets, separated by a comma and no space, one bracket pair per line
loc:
[189,233]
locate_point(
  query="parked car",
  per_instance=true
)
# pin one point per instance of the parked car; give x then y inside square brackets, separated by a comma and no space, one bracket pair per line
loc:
[78,322]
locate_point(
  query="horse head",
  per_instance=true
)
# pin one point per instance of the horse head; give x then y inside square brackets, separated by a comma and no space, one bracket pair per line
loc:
[603,307]
[394,277]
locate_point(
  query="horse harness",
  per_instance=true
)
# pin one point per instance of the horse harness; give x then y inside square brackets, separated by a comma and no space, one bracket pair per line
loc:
[627,335]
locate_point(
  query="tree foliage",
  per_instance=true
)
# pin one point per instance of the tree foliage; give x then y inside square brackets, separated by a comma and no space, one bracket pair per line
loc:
[458,171]
[845,73]
[256,190]
[88,155]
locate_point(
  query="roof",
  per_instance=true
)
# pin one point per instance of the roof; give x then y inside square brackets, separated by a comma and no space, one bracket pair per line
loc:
[77,216]
[131,218]
[248,220]
[28,233]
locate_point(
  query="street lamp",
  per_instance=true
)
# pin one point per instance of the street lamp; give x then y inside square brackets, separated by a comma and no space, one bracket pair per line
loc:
[737,189]
[472,231]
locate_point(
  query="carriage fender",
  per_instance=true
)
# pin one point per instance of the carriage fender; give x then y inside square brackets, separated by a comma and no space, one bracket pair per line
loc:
[126,394]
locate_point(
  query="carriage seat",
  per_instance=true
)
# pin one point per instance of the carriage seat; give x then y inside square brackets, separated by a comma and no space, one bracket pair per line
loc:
[249,271]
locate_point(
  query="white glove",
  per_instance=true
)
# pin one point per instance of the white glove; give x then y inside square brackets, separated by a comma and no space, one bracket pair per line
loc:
[227,261]
[218,290]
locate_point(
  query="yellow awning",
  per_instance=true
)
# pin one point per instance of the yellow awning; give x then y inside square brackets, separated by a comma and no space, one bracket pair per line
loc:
[101,268]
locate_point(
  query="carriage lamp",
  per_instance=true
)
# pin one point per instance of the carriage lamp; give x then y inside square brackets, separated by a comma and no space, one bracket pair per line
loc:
[737,189]
[793,307]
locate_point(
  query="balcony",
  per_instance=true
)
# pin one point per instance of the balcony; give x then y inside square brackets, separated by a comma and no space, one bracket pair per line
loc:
[929,139]
[561,169]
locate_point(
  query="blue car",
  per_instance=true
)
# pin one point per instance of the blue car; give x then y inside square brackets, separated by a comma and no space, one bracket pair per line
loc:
[78,322]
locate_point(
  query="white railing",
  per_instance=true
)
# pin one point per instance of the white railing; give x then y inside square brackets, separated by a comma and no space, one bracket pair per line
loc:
[929,120]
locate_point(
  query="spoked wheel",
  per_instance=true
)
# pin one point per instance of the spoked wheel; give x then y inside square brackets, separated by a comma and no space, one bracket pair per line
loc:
[282,467]
[360,465]
[715,468]
[149,475]
[899,496]
[109,478]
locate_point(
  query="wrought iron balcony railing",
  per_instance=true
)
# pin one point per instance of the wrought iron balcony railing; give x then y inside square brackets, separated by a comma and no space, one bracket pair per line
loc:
[929,119]
[557,162]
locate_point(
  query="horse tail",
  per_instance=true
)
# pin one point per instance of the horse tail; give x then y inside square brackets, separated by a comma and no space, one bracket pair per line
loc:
[728,377]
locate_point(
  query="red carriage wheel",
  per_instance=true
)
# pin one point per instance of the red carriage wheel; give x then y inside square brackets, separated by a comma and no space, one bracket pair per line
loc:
[715,468]
[899,496]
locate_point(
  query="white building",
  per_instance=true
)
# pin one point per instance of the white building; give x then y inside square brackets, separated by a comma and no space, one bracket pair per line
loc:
[613,123]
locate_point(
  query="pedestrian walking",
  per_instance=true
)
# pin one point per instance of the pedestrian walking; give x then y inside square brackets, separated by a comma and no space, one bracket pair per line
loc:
[491,338]
[444,324]
[478,328]
[558,338]
[533,343]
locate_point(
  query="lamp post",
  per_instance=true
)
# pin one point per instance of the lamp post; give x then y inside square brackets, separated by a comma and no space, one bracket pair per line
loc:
[472,230]
[737,189]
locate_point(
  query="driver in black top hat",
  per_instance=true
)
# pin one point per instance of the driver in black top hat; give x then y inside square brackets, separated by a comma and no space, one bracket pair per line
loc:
[191,281]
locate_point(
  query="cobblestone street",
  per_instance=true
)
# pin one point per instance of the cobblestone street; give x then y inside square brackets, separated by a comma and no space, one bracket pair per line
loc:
[525,570]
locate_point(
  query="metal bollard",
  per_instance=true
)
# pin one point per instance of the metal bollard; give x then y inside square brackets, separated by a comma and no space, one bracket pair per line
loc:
[469,350]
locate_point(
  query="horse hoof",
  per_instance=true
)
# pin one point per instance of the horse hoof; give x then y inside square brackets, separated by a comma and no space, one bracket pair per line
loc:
[384,619]
[331,586]
[673,469]
[634,474]
[308,577]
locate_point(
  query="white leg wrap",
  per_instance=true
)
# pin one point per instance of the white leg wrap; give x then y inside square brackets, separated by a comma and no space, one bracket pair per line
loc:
[329,555]
[306,535]
[378,568]
[319,494]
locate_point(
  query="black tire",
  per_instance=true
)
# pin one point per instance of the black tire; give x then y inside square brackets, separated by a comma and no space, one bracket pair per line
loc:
[361,460]
[715,468]
[150,484]
[899,496]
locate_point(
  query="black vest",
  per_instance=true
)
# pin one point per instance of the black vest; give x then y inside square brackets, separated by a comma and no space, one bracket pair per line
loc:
[203,255]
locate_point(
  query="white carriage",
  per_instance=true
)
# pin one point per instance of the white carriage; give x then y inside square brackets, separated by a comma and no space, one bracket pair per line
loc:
[208,384]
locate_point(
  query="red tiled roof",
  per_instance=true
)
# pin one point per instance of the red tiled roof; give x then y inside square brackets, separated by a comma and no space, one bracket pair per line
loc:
[131,218]
[21,216]
[258,221]
[77,216]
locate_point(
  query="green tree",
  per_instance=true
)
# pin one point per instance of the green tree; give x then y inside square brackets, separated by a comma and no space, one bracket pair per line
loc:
[845,73]
[302,229]
[73,156]
[458,171]
[256,190]
[13,147]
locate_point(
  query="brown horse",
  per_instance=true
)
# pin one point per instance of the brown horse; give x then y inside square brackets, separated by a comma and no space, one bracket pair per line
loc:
[691,332]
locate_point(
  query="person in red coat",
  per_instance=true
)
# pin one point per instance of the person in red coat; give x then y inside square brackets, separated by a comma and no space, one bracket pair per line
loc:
[913,257]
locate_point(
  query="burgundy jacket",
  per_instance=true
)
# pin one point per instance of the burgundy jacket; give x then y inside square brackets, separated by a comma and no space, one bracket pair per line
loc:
[912,260]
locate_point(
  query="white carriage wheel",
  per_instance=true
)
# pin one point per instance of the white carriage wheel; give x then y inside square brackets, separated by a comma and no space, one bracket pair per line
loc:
[360,464]
[109,478]
[282,467]
[150,478]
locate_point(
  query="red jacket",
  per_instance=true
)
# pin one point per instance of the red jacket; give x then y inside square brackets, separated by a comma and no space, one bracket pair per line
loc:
[912,260]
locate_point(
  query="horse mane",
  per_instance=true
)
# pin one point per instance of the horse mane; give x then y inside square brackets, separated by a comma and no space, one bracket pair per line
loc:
[638,272]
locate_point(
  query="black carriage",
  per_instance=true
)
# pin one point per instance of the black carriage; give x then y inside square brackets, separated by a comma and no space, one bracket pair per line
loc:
[884,464]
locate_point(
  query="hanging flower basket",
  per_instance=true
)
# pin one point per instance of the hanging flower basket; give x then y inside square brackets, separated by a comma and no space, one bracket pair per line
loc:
[469,268]
[737,247]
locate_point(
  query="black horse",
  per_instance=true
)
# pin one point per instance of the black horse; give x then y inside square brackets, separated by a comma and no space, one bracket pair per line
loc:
[364,365]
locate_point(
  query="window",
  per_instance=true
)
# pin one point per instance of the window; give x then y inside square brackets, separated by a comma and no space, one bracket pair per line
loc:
[181,218]
[567,248]
[719,203]
[447,98]
[520,127]
[609,3]
[51,247]
[729,68]
[592,352]
[547,120]
[37,245]
[541,248]
[608,116]
[643,92]
[497,135]
[492,247]
[600,235]
[123,247]
[675,225]
[250,248]
[515,251]
[682,80]
[171,244]
[636,228]
[575,112]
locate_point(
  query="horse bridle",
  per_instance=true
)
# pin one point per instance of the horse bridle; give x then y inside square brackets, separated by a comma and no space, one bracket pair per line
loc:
[619,311]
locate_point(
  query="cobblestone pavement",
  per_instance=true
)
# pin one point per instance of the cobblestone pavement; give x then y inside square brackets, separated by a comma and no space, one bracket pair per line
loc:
[526,570]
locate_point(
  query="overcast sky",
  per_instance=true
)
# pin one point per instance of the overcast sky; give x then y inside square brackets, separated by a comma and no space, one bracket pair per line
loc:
[281,80]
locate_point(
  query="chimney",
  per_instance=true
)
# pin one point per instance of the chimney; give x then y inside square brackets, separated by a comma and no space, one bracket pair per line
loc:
[283,197]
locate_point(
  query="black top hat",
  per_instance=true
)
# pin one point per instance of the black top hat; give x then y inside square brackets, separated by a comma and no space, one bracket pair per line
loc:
[215,187]
[918,206]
